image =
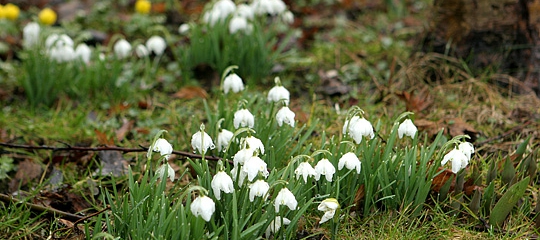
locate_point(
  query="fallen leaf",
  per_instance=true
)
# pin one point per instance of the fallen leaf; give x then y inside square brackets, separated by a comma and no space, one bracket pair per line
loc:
[430,127]
[360,193]
[441,179]
[331,85]
[112,162]
[416,102]
[456,126]
[127,125]
[191,92]
[103,139]
[27,171]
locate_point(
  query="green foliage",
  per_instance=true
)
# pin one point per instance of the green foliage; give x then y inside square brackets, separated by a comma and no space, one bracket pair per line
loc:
[6,165]
[507,202]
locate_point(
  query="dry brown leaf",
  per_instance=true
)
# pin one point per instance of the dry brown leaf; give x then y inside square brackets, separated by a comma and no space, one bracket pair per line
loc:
[191,92]
[103,139]
[121,133]
[27,171]
[360,193]
[416,102]
[456,126]
[112,162]
[441,179]
[430,127]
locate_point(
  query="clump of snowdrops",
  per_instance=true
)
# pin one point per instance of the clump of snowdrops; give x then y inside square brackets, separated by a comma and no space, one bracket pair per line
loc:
[271,176]
[237,34]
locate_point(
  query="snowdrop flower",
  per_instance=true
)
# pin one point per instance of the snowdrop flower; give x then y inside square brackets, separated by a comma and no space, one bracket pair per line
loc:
[357,128]
[31,34]
[226,7]
[304,170]
[233,82]
[243,118]
[141,51]
[278,93]
[254,143]
[224,139]
[275,225]
[55,40]
[238,23]
[83,52]
[222,182]
[242,156]
[241,176]
[287,17]
[202,141]
[458,158]
[258,189]
[219,12]
[244,10]
[253,166]
[285,115]
[204,207]
[329,207]
[64,53]
[407,128]
[165,168]
[163,147]
[122,48]
[350,161]
[183,29]
[285,197]
[326,168]
[156,44]
[272,7]
[467,148]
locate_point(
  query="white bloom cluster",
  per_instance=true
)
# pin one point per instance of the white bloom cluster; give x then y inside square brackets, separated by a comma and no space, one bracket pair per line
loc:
[358,127]
[60,48]
[459,156]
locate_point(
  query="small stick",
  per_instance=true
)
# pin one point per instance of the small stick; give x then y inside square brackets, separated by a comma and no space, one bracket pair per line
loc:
[39,208]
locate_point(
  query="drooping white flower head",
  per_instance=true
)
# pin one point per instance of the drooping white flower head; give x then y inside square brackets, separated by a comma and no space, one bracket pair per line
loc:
[219,12]
[238,172]
[458,158]
[244,10]
[258,189]
[329,207]
[407,128]
[64,53]
[183,29]
[243,118]
[165,168]
[305,170]
[254,143]
[278,93]
[275,225]
[285,115]
[163,147]
[239,23]
[141,51]
[287,17]
[204,207]
[326,168]
[285,197]
[253,166]
[224,139]
[350,161]
[122,48]
[467,148]
[83,52]
[58,41]
[358,127]
[271,7]
[31,34]
[202,141]
[222,182]
[242,156]
[156,44]
[233,82]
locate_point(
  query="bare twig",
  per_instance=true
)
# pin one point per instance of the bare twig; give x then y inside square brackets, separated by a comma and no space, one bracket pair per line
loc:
[106,148]
[39,208]
[507,133]
[78,221]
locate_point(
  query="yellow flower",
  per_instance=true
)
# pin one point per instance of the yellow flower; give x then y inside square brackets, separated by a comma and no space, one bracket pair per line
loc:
[47,16]
[143,6]
[11,11]
[2,14]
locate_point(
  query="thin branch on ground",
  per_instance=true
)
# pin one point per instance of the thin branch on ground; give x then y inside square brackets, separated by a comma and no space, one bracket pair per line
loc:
[105,148]
[39,208]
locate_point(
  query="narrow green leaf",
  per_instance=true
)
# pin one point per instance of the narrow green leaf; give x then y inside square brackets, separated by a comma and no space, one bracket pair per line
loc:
[507,202]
